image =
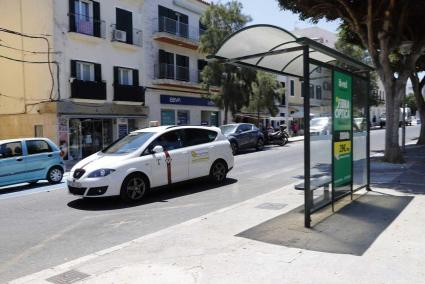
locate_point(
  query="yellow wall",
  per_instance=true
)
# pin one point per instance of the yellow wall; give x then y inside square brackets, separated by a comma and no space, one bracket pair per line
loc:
[20,126]
[22,83]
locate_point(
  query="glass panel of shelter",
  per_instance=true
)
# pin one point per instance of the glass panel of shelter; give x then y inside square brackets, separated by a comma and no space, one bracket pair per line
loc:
[320,137]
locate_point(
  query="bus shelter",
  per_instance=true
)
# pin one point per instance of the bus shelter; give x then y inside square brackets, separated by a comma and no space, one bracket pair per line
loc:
[335,90]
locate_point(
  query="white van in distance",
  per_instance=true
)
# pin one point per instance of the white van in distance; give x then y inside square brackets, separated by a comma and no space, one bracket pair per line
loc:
[152,157]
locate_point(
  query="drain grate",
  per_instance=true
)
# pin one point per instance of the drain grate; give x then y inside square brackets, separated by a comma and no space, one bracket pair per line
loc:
[271,206]
[68,277]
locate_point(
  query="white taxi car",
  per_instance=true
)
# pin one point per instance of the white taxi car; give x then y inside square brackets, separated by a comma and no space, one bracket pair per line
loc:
[152,157]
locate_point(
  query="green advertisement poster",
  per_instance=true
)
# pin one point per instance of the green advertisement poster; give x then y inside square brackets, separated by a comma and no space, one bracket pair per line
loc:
[342,126]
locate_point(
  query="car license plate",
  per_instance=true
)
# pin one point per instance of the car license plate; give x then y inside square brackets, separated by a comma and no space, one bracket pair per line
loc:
[74,183]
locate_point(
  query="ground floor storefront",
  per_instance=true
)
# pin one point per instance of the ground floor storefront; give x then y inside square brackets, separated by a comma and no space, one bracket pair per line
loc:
[82,136]
[182,108]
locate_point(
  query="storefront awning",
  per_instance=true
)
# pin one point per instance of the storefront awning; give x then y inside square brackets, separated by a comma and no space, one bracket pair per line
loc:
[276,50]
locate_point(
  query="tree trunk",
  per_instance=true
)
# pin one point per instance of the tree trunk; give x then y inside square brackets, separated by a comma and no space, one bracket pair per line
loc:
[394,93]
[420,103]
[226,111]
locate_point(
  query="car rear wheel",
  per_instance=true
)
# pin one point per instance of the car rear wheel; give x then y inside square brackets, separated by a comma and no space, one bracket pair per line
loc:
[134,188]
[235,148]
[260,144]
[218,171]
[55,175]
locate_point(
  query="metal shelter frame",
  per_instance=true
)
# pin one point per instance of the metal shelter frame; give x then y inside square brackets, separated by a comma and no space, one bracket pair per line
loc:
[273,49]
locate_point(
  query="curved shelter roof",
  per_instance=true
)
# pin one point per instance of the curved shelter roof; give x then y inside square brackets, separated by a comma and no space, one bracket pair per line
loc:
[274,49]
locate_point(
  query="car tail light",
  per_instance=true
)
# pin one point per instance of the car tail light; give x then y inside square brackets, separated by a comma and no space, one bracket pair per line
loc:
[62,154]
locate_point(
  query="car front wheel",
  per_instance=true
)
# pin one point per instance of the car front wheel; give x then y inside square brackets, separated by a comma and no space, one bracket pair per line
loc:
[55,175]
[218,171]
[134,188]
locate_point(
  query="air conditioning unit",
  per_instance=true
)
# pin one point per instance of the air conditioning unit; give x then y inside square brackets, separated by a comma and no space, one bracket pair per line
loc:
[119,35]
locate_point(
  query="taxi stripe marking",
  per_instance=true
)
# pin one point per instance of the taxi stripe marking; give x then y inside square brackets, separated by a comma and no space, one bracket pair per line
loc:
[168,161]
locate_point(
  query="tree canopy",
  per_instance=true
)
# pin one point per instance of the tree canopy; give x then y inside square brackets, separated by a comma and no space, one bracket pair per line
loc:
[391,31]
[220,21]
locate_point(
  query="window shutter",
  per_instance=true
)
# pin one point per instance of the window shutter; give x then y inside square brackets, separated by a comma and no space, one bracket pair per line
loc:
[96,19]
[97,73]
[71,13]
[184,19]
[116,74]
[74,68]
[135,77]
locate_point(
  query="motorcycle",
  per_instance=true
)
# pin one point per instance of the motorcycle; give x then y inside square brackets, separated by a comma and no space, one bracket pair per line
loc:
[279,137]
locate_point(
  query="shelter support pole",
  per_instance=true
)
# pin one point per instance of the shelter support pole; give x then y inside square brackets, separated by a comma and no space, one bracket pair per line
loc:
[368,133]
[306,92]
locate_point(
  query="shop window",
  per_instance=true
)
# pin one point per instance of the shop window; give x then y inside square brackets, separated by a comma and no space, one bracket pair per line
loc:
[183,117]
[168,117]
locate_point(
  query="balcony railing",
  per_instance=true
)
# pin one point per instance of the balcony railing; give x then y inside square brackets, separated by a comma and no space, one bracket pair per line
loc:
[172,72]
[129,93]
[134,37]
[177,28]
[90,90]
[86,25]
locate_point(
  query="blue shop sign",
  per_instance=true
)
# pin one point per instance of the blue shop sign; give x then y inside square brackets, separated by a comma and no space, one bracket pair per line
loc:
[179,100]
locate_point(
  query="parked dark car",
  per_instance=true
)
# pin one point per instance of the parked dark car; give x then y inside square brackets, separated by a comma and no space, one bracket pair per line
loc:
[243,136]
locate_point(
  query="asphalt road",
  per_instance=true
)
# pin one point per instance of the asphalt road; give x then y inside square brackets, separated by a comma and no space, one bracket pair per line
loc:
[44,226]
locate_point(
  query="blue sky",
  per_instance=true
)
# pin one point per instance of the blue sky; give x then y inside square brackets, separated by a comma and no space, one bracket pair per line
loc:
[268,12]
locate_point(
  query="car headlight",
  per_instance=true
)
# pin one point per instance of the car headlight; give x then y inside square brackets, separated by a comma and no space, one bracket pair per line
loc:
[101,173]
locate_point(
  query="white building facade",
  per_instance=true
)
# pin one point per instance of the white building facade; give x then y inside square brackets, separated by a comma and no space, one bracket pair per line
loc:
[115,66]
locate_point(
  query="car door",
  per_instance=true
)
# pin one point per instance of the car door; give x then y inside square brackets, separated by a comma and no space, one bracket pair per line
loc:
[244,135]
[172,165]
[253,134]
[12,163]
[38,159]
[201,150]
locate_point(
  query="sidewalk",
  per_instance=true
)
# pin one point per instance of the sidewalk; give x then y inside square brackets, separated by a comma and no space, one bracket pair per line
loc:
[379,239]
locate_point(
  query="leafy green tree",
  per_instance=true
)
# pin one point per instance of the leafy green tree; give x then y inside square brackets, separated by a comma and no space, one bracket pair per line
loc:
[234,82]
[391,31]
[266,90]
[358,52]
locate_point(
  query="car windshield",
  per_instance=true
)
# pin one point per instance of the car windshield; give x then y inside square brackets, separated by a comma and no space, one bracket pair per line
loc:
[129,143]
[318,122]
[226,129]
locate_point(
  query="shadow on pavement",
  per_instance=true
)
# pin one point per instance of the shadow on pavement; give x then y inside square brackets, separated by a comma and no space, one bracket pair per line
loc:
[162,194]
[351,230]
[23,187]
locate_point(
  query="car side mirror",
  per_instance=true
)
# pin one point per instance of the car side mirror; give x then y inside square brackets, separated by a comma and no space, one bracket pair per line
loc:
[157,149]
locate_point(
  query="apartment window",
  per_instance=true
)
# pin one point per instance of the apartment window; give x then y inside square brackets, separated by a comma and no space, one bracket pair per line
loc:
[201,65]
[125,76]
[172,22]
[85,71]
[166,65]
[302,89]
[318,92]
[84,17]
[83,9]
[182,67]
[124,22]
[292,90]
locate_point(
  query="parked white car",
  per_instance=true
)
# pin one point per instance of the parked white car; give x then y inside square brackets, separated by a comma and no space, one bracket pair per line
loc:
[152,157]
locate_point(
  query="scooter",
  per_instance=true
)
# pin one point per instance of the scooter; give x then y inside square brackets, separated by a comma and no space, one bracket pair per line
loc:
[279,137]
